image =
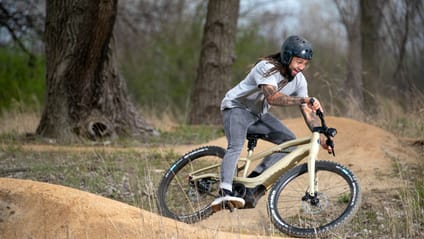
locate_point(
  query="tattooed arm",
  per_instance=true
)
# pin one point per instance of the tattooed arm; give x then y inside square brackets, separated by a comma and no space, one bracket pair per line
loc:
[274,97]
[309,115]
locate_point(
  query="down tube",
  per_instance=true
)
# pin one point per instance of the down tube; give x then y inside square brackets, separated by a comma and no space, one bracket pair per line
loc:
[313,154]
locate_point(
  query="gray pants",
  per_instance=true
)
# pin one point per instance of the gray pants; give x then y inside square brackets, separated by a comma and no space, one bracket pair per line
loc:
[237,123]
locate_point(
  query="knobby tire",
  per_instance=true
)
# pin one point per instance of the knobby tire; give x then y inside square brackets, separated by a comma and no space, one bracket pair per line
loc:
[338,200]
[180,198]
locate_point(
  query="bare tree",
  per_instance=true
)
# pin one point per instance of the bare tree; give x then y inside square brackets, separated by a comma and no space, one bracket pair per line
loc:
[390,37]
[371,18]
[362,20]
[402,24]
[216,59]
[349,13]
[143,19]
[86,96]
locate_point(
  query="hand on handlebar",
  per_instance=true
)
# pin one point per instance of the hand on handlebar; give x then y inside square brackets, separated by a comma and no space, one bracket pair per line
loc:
[314,104]
[327,134]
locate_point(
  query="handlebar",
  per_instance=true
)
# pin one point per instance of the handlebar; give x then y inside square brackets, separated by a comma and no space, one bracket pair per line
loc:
[328,132]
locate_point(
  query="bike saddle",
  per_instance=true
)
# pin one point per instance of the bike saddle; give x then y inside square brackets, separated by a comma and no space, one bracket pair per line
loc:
[252,136]
[252,139]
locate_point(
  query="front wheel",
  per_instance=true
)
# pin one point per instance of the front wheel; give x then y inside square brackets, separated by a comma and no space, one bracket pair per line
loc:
[296,213]
[184,199]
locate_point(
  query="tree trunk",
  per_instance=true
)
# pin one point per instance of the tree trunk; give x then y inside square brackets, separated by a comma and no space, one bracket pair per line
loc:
[405,86]
[216,59]
[371,16]
[354,85]
[85,95]
[350,17]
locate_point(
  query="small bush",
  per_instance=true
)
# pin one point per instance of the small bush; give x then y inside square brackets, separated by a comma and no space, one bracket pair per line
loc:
[21,79]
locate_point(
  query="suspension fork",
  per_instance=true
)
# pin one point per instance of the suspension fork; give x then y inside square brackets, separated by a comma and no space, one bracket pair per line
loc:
[313,154]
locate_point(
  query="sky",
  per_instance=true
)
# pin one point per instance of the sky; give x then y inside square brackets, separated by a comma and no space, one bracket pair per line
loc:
[317,19]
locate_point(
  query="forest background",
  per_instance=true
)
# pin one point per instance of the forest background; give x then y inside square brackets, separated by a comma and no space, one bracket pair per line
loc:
[367,65]
[158,47]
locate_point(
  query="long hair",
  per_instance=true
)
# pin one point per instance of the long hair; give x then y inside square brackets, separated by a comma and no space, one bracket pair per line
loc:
[274,59]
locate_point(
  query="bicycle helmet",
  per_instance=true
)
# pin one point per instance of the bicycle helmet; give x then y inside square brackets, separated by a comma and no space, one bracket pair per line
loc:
[295,46]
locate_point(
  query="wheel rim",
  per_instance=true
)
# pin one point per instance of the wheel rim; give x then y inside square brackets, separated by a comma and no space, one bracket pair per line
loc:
[335,196]
[188,200]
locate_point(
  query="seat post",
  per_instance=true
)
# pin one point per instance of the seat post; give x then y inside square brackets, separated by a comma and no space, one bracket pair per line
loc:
[252,141]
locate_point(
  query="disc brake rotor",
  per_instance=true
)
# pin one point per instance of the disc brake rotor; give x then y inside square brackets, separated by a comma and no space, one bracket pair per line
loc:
[314,208]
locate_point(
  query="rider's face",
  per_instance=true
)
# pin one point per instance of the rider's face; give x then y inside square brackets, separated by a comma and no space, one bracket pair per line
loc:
[297,65]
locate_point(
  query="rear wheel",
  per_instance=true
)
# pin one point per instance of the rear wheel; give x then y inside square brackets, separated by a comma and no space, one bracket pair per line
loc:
[181,198]
[296,213]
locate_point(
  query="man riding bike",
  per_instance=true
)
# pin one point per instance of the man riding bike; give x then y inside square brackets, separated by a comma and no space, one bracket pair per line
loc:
[275,80]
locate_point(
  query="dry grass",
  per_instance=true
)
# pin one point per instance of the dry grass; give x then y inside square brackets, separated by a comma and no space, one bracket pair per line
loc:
[395,214]
[396,119]
[19,122]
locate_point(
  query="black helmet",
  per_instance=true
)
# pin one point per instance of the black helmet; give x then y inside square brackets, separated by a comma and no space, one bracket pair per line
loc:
[295,46]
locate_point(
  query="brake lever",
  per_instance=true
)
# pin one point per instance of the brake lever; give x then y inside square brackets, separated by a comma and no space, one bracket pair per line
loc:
[330,143]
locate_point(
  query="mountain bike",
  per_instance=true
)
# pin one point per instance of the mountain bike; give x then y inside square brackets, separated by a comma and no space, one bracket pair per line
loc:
[307,199]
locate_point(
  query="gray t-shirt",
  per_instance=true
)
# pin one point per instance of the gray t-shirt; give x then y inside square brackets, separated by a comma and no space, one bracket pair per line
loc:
[248,95]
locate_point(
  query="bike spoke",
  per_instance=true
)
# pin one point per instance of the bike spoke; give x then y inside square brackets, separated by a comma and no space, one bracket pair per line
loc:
[185,198]
[297,212]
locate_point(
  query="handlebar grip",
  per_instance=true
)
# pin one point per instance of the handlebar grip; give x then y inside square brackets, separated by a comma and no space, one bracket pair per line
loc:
[319,112]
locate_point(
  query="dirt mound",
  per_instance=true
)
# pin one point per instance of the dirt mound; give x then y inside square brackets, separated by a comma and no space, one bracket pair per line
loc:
[38,210]
[31,209]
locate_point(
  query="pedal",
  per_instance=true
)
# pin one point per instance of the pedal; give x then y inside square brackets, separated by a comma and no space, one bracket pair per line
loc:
[224,205]
[228,205]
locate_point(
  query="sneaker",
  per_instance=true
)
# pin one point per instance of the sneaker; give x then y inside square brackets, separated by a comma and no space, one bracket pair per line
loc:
[226,196]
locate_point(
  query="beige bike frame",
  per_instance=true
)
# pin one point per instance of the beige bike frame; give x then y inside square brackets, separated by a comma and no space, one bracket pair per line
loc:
[308,146]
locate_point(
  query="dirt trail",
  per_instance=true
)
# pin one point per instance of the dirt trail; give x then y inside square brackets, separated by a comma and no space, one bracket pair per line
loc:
[38,210]
[367,150]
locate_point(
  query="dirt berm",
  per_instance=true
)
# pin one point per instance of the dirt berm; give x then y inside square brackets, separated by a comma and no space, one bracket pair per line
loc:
[31,209]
